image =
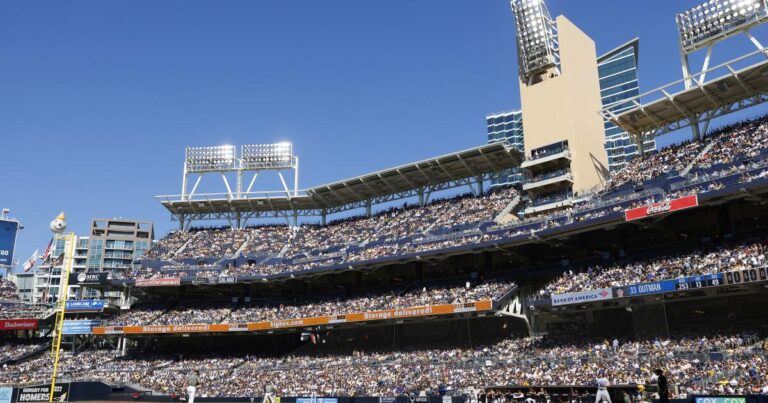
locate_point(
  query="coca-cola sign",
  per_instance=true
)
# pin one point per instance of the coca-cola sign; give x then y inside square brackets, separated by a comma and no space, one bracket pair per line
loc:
[666,206]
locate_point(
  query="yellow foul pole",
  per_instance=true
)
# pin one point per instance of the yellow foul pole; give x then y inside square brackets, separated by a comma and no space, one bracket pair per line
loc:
[69,253]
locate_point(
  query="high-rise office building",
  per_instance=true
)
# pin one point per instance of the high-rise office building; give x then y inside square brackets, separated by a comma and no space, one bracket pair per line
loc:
[617,70]
[506,126]
[114,243]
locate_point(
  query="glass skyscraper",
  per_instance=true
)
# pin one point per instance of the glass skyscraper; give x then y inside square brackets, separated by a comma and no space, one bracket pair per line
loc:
[617,71]
[618,81]
[506,126]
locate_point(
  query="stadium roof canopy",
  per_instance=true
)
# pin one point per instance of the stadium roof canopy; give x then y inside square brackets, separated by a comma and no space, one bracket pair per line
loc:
[464,168]
[732,86]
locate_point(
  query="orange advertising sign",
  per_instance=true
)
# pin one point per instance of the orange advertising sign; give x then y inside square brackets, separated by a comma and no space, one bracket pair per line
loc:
[446,309]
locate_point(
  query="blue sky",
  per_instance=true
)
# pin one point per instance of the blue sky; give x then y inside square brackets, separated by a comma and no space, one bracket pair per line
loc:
[98,99]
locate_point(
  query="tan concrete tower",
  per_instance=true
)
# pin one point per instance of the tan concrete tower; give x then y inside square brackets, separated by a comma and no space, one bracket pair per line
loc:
[560,99]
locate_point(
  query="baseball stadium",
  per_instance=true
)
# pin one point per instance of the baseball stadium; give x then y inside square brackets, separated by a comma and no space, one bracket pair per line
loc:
[574,261]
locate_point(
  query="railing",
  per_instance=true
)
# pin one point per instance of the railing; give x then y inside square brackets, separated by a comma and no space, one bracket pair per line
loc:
[551,199]
[546,151]
[540,156]
[204,197]
[549,175]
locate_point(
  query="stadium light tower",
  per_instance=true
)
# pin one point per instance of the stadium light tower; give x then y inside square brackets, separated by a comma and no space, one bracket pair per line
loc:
[254,158]
[713,21]
[537,45]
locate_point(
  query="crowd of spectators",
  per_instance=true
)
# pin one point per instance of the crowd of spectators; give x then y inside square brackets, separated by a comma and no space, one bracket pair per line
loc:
[660,267]
[208,312]
[11,349]
[309,240]
[217,243]
[689,362]
[740,141]
[727,145]
[266,240]
[167,247]
[19,310]
[8,291]
[655,164]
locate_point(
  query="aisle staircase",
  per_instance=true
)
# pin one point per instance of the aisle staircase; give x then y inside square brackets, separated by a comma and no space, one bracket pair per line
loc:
[690,166]
[508,214]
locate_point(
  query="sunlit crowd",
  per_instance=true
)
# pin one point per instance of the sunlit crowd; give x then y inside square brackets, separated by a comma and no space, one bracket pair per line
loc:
[687,360]
[659,266]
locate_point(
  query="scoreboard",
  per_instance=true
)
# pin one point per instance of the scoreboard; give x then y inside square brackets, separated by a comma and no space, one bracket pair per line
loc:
[8,230]
[695,282]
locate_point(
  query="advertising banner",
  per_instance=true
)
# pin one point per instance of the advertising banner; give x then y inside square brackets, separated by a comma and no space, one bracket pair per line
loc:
[5,395]
[484,305]
[678,284]
[87,305]
[88,278]
[8,230]
[645,289]
[721,399]
[216,280]
[744,276]
[158,282]
[79,326]
[661,207]
[18,324]
[600,294]
[41,393]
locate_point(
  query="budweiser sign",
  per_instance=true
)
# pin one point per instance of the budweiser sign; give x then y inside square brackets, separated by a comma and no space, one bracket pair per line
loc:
[667,206]
[158,282]
[18,324]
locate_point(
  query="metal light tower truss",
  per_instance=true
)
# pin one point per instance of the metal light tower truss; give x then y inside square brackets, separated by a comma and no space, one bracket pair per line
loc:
[713,21]
[537,46]
[732,86]
[700,28]
[253,158]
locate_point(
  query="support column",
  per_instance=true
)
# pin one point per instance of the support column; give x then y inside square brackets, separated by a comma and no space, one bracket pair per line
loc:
[479,180]
[686,69]
[639,141]
[184,182]
[695,128]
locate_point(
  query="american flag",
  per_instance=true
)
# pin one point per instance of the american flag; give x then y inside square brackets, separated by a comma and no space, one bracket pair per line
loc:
[47,252]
